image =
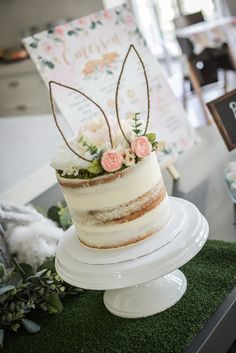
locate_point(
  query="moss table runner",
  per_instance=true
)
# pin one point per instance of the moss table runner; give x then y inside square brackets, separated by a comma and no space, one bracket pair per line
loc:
[85,326]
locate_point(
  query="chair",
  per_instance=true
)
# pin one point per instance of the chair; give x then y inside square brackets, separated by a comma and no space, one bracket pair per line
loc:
[202,68]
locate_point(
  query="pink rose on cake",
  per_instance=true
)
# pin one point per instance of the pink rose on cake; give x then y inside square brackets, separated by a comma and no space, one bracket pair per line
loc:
[111,161]
[141,146]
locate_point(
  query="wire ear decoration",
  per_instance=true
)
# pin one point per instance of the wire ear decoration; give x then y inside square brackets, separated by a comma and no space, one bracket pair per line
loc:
[118,86]
[56,121]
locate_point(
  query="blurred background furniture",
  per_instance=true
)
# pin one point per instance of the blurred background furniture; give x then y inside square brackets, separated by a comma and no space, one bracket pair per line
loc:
[204,53]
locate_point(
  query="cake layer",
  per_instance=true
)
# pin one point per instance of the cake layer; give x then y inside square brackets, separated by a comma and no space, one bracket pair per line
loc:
[120,208]
[99,219]
[128,232]
[112,190]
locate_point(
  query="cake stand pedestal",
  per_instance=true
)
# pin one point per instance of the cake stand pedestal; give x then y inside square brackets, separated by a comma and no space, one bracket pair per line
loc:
[142,279]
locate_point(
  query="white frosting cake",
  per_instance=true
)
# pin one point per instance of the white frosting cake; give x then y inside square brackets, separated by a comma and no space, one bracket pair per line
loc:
[110,176]
[120,208]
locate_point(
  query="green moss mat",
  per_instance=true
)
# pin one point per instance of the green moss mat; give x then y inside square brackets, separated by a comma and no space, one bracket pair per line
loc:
[86,326]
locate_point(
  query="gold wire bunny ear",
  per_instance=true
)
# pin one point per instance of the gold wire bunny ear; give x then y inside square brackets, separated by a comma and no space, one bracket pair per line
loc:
[118,86]
[55,117]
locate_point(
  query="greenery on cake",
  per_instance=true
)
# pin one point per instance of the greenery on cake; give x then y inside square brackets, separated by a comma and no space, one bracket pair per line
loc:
[92,143]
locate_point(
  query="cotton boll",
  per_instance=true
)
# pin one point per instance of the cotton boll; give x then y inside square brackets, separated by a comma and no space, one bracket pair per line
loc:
[33,243]
[231,176]
[231,167]
[233,189]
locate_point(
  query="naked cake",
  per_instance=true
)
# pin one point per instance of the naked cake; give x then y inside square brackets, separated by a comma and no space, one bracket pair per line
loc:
[111,181]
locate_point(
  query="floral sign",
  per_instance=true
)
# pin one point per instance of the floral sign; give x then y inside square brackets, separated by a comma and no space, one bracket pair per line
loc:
[87,54]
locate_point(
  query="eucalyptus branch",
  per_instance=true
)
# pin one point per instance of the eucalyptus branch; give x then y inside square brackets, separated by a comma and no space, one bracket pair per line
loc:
[92,149]
[137,124]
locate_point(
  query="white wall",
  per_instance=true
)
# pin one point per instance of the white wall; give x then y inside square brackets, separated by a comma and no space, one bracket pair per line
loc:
[18,16]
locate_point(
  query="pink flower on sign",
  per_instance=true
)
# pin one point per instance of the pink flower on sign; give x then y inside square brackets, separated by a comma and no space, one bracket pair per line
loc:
[111,161]
[141,146]
[82,21]
[129,20]
[108,15]
[46,48]
[59,30]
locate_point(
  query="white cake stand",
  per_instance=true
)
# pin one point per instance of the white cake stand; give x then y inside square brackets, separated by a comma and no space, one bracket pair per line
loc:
[142,279]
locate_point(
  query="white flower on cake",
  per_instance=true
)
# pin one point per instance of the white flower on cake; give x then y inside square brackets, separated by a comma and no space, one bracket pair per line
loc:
[67,162]
[95,133]
[128,157]
[92,143]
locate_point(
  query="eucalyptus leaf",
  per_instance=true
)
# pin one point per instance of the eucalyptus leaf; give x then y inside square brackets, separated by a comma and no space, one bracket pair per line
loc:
[1,338]
[48,264]
[6,288]
[65,218]
[3,297]
[27,270]
[24,268]
[39,273]
[30,326]
[55,301]
[16,279]
[2,271]
[53,214]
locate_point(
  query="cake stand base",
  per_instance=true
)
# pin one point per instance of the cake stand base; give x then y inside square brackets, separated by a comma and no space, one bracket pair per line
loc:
[141,280]
[148,298]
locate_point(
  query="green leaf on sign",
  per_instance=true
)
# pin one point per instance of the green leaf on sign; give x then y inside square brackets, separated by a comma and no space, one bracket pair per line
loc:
[34,45]
[93,25]
[95,167]
[71,33]
[58,40]
[49,64]
[151,137]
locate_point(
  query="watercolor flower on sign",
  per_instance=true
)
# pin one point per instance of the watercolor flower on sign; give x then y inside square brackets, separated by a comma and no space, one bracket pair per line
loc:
[104,65]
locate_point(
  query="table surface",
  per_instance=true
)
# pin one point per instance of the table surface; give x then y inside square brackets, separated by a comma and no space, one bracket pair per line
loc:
[202,182]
